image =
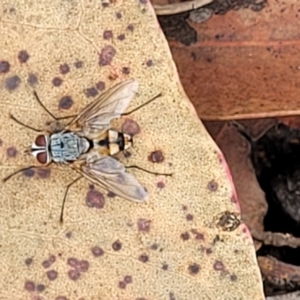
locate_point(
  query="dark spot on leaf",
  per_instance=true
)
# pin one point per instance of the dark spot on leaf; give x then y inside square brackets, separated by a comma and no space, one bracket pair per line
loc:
[74,274]
[1,142]
[91,92]
[113,76]
[233,277]
[65,102]
[198,235]
[100,85]
[156,157]
[69,234]
[212,186]
[128,279]
[154,246]
[121,37]
[43,173]
[83,266]
[29,286]
[149,63]
[125,70]
[130,27]
[106,56]
[218,265]
[56,81]
[111,194]
[29,173]
[73,262]
[32,79]
[4,66]
[46,264]
[160,185]
[130,127]
[122,285]
[64,69]
[118,15]
[40,288]
[78,64]
[117,245]
[194,269]
[52,258]
[126,153]
[171,296]
[144,258]
[185,236]
[208,251]
[107,34]
[28,261]
[97,251]
[165,267]
[51,274]
[189,217]
[11,152]
[12,83]
[144,225]
[216,239]
[105,4]
[23,56]
[95,199]
[184,207]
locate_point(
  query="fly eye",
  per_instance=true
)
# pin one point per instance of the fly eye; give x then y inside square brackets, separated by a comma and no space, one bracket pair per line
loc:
[42,157]
[41,140]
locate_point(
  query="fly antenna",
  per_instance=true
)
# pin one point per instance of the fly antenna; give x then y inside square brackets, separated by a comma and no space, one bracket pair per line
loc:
[142,105]
[48,111]
[43,106]
[24,125]
[17,172]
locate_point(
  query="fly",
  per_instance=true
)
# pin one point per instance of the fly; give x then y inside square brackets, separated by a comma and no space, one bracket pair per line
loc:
[87,144]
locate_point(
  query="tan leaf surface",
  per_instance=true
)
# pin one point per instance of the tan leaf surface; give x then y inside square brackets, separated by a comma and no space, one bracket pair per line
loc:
[170,247]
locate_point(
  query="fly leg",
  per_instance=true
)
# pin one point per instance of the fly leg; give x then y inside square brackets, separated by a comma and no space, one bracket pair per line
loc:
[65,196]
[147,171]
[48,111]
[23,170]
[142,105]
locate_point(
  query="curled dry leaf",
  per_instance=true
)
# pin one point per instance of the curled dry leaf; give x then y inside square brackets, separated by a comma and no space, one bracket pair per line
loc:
[168,247]
[179,7]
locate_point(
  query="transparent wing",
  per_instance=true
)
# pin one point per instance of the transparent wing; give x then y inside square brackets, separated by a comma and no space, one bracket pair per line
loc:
[111,174]
[111,104]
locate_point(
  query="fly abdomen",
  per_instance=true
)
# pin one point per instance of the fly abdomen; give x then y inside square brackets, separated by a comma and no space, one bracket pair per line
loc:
[112,142]
[104,142]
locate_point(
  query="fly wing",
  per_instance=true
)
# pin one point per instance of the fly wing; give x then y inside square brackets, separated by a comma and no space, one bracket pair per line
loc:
[111,104]
[111,174]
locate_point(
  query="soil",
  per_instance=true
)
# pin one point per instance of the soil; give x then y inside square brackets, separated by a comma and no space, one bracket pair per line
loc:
[276,159]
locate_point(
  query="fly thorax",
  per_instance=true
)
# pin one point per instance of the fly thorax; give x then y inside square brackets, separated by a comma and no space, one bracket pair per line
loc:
[66,146]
